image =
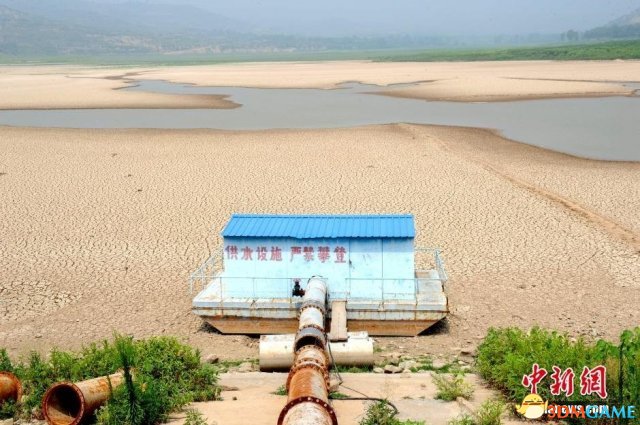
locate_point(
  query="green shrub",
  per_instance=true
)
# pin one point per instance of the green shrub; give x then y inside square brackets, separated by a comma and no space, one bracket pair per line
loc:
[451,387]
[627,360]
[8,409]
[167,375]
[98,360]
[5,361]
[506,355]
[381,413]
[36,376]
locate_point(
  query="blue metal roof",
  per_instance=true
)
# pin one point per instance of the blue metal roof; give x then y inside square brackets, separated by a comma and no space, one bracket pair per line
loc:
[320,226]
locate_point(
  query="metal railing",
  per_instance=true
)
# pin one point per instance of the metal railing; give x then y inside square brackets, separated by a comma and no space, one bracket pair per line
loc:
[380,289]
[205,272]
[386,289]
[433,260]
[426,259]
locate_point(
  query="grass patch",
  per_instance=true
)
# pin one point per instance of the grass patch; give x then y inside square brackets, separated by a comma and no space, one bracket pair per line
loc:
[194,418]
[353,369]
[490,413]
[226,365]
[282,390]
[450,387]
[381,413]
[338,396]
[465,419]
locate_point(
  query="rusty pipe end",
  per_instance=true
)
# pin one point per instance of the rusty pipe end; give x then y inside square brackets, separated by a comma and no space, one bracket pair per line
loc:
[63,404]
[10,387]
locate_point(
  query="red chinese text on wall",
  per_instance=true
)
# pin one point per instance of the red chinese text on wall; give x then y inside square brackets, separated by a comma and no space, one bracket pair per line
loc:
[323,254]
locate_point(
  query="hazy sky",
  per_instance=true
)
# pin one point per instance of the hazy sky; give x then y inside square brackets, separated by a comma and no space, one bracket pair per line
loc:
[452,17]
[385,17]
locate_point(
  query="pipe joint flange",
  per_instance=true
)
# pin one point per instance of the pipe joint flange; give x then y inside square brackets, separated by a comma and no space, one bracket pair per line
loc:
[301,350]
[308,399]
[314,326]
[307,348]
[315,304]
[310,335]
[308,365]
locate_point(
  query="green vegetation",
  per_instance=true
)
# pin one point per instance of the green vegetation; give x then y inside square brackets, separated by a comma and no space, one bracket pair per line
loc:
[490,413]
[629,49]
[381,413]
[353,369]
[5,361]
[338,396]
[226,365]
[161,375]
[451,387]
[194,418]
[506,355]
[282,390]
[421,363]
[465,419]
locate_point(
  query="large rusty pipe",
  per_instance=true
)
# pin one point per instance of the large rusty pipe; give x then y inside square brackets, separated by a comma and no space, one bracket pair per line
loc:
[69,403]
[10,388]
[308,380]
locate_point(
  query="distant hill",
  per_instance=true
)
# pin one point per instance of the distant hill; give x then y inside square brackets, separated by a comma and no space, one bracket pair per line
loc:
[34,29]
[128,16]
[51,30]
[632,18]
[24,34]
[625,27]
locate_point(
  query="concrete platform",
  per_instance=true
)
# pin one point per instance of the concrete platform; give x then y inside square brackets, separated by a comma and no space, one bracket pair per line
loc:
[410,315]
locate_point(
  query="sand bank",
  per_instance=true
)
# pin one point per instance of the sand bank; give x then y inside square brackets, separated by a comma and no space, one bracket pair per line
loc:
[101,228]
[85,87]
[475,81]
[495,89]
[73,88]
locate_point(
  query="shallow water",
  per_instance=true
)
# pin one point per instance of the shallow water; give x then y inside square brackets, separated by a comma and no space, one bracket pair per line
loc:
[600,128]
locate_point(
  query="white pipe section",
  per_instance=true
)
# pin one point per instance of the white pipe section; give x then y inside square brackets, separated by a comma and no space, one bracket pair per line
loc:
[276,351]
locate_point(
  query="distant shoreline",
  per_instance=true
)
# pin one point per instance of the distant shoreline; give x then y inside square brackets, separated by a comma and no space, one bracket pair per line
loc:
[594,51]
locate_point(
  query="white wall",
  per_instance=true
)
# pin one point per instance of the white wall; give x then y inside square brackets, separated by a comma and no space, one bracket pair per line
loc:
[365,261]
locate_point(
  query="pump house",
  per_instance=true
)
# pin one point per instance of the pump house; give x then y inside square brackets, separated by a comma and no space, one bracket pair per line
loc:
[373,272]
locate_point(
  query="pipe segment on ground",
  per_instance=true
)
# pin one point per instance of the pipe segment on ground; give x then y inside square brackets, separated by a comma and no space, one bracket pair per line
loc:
[67,403]
[276,351]
[10,388]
